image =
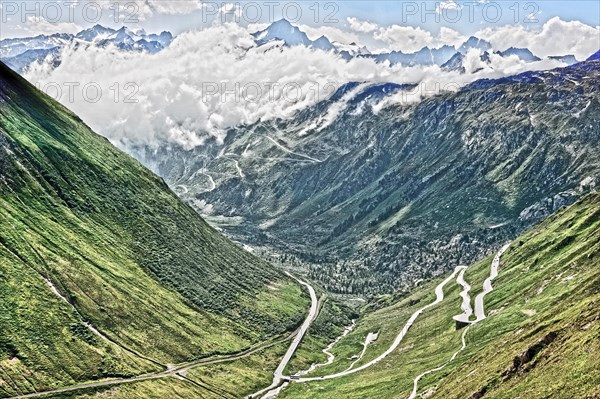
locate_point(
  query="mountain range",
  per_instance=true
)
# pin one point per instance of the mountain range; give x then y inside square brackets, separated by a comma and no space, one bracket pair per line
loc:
[373,198]
[469,220]
[283,33]
[19,53]
[538,339]
[290,35]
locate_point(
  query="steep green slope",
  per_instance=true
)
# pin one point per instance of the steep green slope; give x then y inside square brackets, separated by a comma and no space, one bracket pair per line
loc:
[540,339]
[381,198]
[103,271]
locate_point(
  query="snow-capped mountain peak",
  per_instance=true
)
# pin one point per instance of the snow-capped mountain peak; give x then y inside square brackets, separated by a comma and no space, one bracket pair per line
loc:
[568,59]
[323,43]
[474,42]
[524,54]
[282,30]
[97,32]
[20,53]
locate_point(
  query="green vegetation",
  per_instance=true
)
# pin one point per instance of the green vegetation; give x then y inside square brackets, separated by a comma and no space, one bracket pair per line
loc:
[234,379]
[105,273]
[240,378]
[403,193]
[328,326]
[540,339]
[171,387]
[125,254]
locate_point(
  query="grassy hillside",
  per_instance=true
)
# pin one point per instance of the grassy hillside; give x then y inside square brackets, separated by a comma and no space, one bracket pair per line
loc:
[103,271]
[540,339]
[171,387]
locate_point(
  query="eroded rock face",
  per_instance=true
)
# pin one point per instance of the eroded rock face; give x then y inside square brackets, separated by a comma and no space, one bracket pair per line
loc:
[520,362]
[547,206]
[376,199]
[478,394]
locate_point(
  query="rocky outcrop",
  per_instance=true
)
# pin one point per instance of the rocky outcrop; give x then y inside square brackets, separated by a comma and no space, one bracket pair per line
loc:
[521,362]
[541,210]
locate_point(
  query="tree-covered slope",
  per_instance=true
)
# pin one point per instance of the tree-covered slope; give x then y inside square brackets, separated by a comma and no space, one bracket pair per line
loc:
[103,271]
[539,340]
[378,197]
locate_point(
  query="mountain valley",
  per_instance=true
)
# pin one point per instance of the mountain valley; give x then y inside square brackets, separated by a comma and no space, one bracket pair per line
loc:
[438,183]
[400,211]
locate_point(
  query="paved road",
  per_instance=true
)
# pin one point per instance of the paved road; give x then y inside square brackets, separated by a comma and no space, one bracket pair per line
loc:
[465,316]
[178,370]
[371,337]
[213,185]
[439,292]
[181,369]
[467,311]
[487,285]
[327,350]
[278,376]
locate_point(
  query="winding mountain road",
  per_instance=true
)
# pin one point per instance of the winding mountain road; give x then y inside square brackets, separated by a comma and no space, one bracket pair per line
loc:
[465,316]
[458,273]
[278,376]
[327,350]
[371,337]
[487,285]
[213,185]
[180,369]
[467,311]
[439,293]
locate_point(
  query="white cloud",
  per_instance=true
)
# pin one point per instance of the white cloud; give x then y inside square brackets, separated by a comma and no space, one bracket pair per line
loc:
[405,38]
[450,37]
[36,25]
[143,9]
[231,12]
[447,5]
[361,26]
[331,32]
[409,39]
[256,27]
[207,81]
[433,80]
[557,37]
